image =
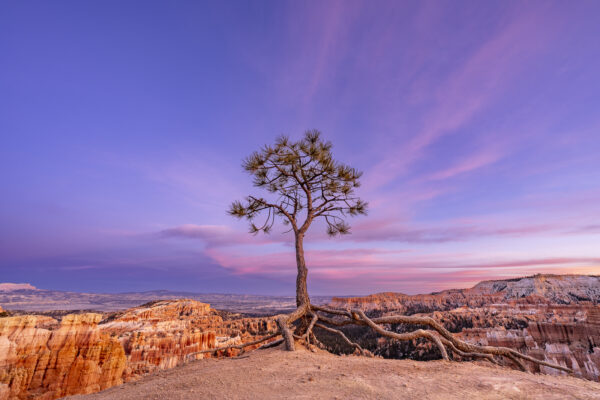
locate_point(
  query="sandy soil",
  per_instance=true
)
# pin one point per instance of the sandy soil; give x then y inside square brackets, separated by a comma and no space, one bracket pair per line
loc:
[275,374]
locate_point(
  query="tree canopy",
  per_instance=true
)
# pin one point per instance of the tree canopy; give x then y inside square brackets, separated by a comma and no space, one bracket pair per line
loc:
[306,183]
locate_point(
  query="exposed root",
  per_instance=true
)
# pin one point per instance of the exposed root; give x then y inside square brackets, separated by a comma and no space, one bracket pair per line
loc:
[317,342]
[462,354]
[236,346]
[343,336]
[314,320]
[419,333]
[517,362]
[270,344]
[284,330]
[330,311]
[445,338]
[301,311]
[437,334]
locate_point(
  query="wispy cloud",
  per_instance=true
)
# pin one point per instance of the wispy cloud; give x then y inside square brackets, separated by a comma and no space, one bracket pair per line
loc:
[472,87]
[388,231]
[218,235]
[467,164]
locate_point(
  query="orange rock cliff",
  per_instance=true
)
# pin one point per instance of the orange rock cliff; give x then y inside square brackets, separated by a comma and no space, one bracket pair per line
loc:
[42,358]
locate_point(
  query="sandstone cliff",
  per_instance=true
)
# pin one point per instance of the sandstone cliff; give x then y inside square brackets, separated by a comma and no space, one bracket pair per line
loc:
[566,335]
[42,358]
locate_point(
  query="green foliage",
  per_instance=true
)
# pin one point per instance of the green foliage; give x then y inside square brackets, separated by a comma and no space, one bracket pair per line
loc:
[304,179]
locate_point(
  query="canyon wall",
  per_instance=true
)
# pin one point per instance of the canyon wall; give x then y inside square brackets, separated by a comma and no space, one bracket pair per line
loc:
[42,358]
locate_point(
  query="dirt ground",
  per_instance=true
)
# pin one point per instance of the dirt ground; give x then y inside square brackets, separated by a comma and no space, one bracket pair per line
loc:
[276,374]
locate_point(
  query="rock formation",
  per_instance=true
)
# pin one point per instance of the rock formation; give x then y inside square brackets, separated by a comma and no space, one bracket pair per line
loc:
[566,335]
[42,358]
[556,289]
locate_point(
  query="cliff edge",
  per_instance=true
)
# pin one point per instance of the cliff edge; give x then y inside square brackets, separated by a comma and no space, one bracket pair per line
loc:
[277,374]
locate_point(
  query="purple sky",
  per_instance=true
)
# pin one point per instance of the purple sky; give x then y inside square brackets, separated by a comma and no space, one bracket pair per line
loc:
[123,125]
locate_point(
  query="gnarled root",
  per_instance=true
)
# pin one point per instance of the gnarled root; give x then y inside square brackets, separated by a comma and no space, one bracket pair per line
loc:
[285,331]
[343,336]
[237,346]
[437,334]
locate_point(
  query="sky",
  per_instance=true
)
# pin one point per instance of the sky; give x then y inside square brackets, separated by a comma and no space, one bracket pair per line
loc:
[123,125]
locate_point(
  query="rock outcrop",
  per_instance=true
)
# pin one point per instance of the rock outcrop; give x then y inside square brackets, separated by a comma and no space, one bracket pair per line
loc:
[42,358]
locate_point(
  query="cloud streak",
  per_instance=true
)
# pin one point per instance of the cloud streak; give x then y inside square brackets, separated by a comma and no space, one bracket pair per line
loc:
[469,90]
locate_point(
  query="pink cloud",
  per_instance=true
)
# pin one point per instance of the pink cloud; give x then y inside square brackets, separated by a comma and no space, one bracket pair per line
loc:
[389,230]
[284,263]
[380,270]
[469,164]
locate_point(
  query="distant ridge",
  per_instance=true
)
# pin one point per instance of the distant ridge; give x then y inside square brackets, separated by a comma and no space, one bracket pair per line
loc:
[556,289]
[26,297]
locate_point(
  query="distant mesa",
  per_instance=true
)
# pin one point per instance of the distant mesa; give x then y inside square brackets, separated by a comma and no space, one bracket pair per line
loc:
[11,287]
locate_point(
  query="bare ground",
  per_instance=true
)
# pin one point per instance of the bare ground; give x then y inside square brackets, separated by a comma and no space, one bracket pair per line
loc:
[276,374]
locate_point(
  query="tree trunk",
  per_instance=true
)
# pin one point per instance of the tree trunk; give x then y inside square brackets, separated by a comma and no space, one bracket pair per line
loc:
[301,288]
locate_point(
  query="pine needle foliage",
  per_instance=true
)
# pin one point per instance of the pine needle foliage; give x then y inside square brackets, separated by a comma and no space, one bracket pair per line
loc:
[304,183]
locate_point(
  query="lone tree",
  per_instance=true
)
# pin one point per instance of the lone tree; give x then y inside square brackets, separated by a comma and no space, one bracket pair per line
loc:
[306,184]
